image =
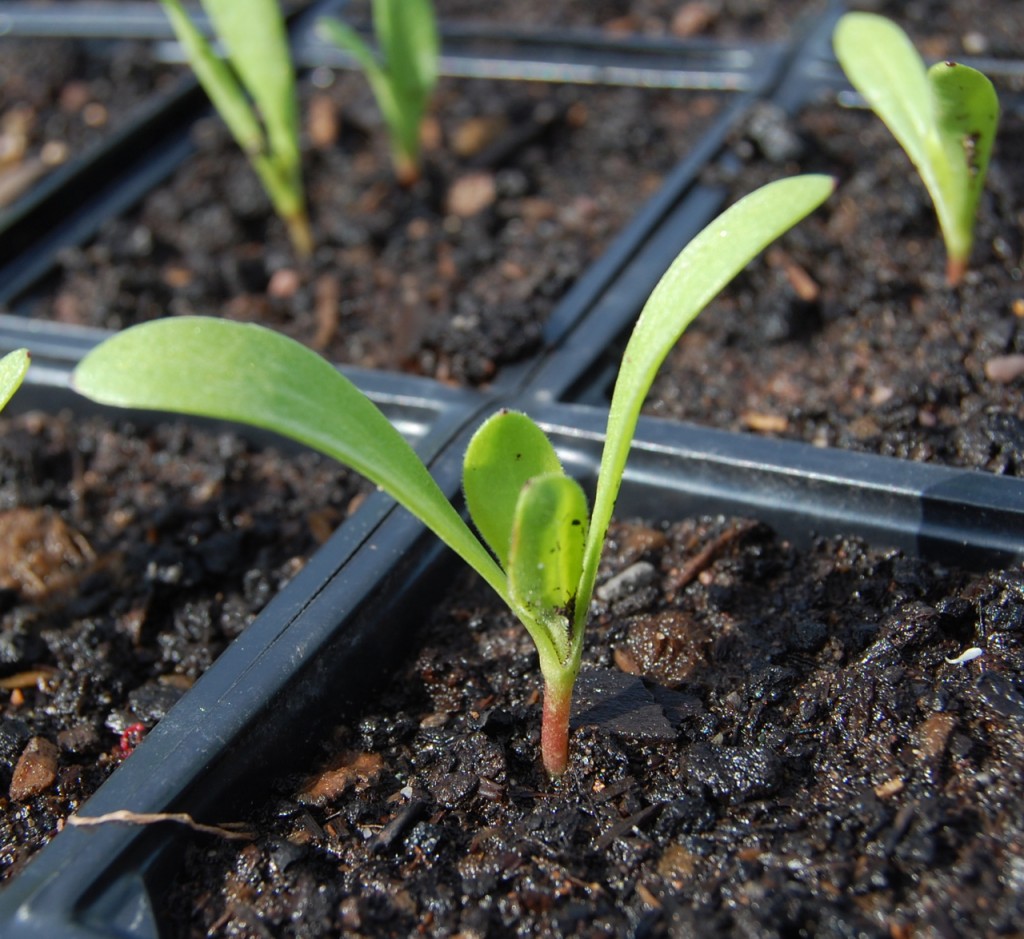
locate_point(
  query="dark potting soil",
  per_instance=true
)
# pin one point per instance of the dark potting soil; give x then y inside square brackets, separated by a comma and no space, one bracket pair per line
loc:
[845,333]
[523,187]
[769,742]
[60,96]
[128,560]
[943,28]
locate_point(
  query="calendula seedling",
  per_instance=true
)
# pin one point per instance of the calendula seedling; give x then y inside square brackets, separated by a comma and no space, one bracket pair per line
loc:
[945,118]
[13,367]
[256,43]
[404,75]
[531,514]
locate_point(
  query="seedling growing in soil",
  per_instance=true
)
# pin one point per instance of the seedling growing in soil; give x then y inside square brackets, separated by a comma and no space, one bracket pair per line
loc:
[403,77]
[13,367]
[944,117]
[530,513]
[256,43]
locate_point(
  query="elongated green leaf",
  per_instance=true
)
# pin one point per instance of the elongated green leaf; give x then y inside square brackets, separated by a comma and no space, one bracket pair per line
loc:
[506,452]
[218,81]
[546,557]
[346,38]
[409,39]
[882,64]
[407,30]
[13,367]
[256,41]
[404,74]
[696,276]
[245,373]
[967,115]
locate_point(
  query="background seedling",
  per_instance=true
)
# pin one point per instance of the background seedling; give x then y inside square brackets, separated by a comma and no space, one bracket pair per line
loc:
[403,77]
[13,367]
[531,514]
[256,43]
[944,117]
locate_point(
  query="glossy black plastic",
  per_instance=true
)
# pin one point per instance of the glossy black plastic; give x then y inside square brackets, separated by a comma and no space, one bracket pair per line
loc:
[315,646]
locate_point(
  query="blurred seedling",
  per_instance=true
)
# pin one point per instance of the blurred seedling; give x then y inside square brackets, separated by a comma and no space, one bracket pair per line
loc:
[253,90]
[402,73]
[944,117]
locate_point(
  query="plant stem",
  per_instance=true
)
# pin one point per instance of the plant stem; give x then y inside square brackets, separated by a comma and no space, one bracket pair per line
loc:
[955,270]
[554,728]
[407,168]
[300,234]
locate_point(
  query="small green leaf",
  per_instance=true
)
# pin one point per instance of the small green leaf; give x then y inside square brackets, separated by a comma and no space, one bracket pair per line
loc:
[403,75]
[218,81]
[381,84]
[251,375]
[348,40]
[409,39]
[967,115]
[695,277]
[506,452]
[13,367]
[882,64]
[256,41]
[546,556]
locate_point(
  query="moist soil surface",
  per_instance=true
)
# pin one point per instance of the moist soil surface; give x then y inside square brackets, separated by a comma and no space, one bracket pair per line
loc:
[523,187]
[60,96]
[128,560]
[768,741]
[845,333]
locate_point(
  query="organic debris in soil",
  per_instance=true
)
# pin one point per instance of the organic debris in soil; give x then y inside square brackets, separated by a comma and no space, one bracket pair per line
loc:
[524,185]
[128,560]
[805,760]
[844,333]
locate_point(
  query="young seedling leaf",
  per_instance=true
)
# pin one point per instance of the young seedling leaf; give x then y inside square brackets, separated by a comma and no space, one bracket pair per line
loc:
[945,118]
[403,74]
[245,373]
[384,91]
[546,556]
[967,116]
[256,43]
[712,259]
[13,367]
[218,81]
[505,453]
[412,47]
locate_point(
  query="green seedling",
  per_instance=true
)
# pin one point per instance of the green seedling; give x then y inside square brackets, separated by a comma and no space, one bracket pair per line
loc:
[258,67]
[544,549]
[944,117]
[13,367]
[402,77]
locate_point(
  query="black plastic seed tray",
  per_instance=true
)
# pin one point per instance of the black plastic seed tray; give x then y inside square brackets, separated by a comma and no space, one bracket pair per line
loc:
[264,701]
[75,205]
[317,645]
